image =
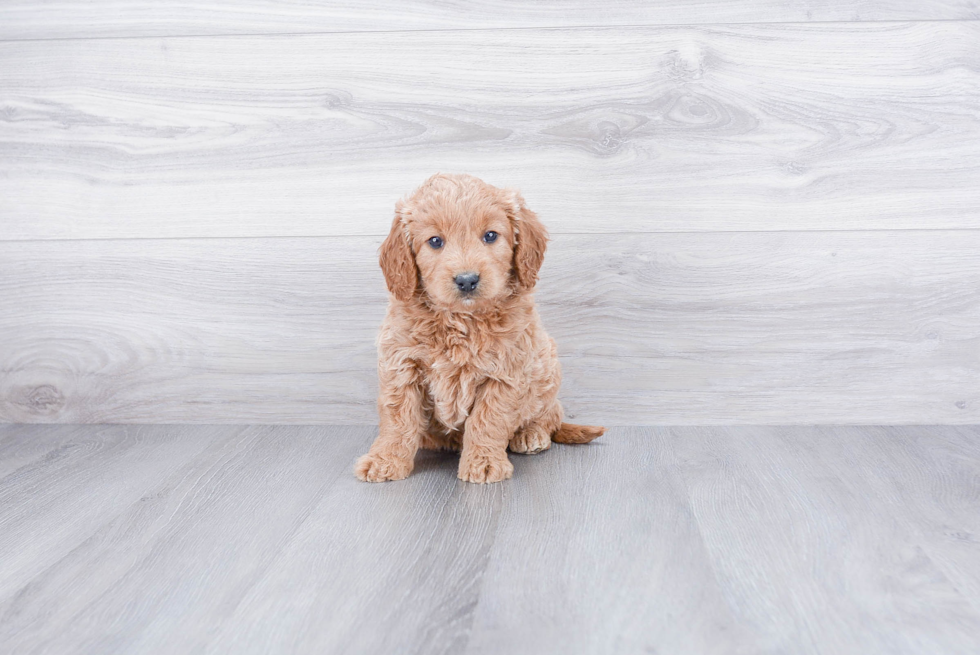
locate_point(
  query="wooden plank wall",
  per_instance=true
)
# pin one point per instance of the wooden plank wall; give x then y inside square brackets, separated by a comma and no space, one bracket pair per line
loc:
[762,213]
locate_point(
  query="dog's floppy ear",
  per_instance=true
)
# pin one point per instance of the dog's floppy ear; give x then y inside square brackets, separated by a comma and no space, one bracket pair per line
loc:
[397,260]
[531,239]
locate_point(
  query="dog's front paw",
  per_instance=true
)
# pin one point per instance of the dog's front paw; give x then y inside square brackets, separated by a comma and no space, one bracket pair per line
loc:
[481,469]
[375,468]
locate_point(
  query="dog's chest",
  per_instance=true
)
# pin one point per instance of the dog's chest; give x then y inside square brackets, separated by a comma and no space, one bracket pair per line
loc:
[454,375]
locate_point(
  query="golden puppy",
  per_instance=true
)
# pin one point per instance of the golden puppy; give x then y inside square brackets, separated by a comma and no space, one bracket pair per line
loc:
[464,362]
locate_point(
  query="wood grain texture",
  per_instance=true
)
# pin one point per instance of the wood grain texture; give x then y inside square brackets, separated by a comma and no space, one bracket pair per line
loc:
[815,492]
[836,540]
[717,328]
[616,563]
[744,127]
[56,19]
[52,504]
[950,507]
[243,494]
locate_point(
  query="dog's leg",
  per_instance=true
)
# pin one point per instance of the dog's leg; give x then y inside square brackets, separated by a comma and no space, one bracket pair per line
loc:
[403,423]
[487,431]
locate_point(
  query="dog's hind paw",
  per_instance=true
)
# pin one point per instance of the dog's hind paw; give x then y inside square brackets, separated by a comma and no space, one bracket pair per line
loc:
[530,440]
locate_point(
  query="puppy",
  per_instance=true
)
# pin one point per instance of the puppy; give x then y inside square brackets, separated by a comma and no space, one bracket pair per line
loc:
[464,361]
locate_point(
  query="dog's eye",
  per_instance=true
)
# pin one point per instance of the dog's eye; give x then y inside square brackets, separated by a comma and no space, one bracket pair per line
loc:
[490,237]
[435,242]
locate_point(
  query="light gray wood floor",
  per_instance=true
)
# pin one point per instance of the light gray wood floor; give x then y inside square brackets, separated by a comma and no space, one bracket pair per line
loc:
[153,539]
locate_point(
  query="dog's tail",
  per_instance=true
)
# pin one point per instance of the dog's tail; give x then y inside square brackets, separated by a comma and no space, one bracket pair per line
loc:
[571,433]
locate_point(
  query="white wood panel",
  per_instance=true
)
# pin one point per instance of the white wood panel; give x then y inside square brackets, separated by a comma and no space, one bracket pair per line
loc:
[47,19]
[830,327]
[748,127]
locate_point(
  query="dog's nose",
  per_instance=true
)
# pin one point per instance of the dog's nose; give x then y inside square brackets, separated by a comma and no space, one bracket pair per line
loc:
[466,282]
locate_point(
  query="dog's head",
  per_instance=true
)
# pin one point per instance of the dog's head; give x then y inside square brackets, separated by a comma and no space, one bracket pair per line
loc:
[463,243]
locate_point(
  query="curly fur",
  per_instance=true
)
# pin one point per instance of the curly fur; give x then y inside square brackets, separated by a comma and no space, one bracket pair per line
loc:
[474,372]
